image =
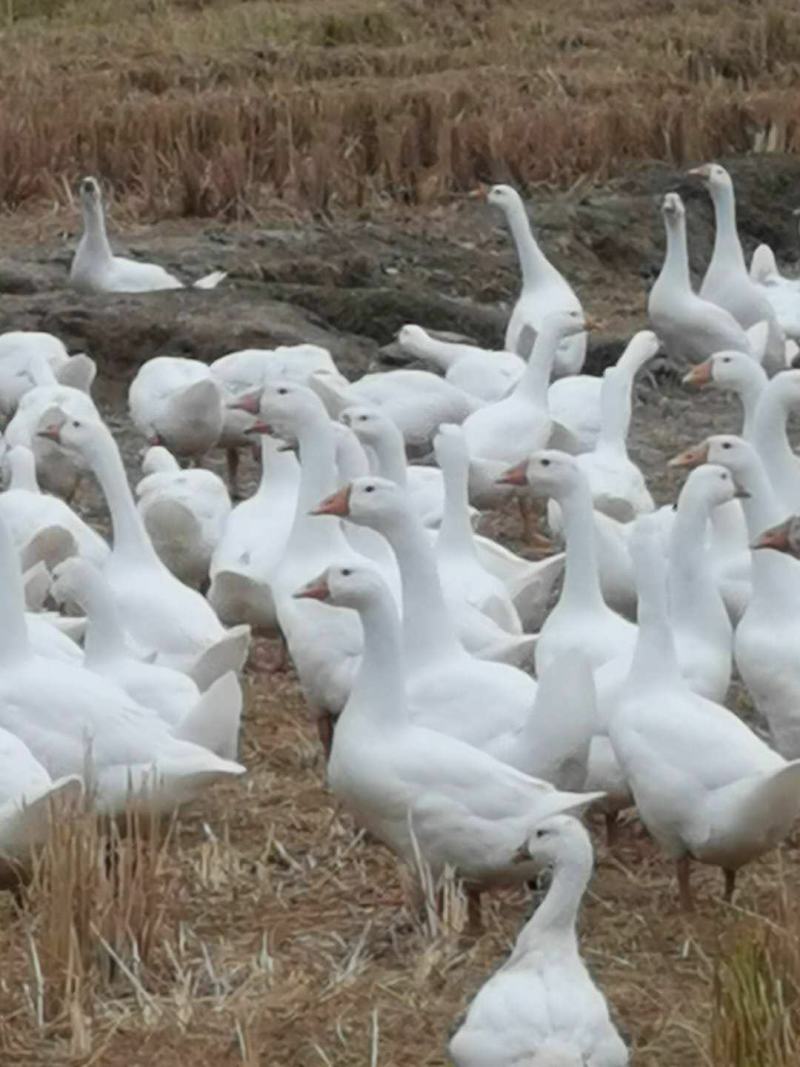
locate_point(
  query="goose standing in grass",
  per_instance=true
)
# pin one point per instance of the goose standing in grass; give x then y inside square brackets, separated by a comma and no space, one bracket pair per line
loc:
[175,402]
[97,269]
[185,512]
[423,793]
[727,282]
[162,616]
[541,1006]
[689,327]
[544,289]
[706,787]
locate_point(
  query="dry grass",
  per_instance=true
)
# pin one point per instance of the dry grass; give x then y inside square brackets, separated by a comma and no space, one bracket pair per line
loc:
[220,107]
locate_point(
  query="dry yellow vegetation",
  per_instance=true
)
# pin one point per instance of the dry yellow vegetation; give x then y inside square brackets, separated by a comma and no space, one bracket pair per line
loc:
[215,107]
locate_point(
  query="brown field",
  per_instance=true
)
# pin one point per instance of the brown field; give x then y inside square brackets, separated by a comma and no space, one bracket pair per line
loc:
[266,932]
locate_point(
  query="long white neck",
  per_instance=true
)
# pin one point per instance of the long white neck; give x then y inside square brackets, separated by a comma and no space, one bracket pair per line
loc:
[95,239]
[749,389]
[22,469]
[318,479]
[379,688]
[278,469]
[14,644]
[455,533]
[131,540]
[655,661]
[428,631]
[615,413]
[581,587]
[105,637]
[390,453]
[556,916]
[535,380]
[727,251]
[532,261]
[443,353]
[676,262]
[772,443]
[694,599]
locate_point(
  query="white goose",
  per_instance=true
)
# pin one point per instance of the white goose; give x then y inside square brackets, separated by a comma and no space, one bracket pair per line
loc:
[782,293]
[501,434]
[544,289]
[175,402]
[72,720]
[581,618]
[43,527]
[487,375]
[184,512]
[21,350]
[96,268]
[689,327]
[541,1007]
[779,397]
[737,373]
[161,615]
[705,786]
[423,793]
[211,718]
[727,282]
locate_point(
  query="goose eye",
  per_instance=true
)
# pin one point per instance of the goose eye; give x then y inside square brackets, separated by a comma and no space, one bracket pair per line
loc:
[282,392]
[346,572]
[369,489]
[545,462]
[726,444]
[541,833]
[76,424]
[362,418]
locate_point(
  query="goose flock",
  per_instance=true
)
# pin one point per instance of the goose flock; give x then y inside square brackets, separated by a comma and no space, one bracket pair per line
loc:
[473,704]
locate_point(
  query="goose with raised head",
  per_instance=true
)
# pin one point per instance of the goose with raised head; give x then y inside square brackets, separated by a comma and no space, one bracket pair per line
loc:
[779,397]
[175,402]
[689,327]
[58,471]
[243,373]
[706,787]
[75,722]
[544,288]
[487,375]
[501,434]
[325,646]
[541,1007]
[97,269]
[417,401]
[737,373]
[254,540]
[184,512]
[700,622]
[581,618]
[31,514]
[782,293]
[426,795]
[381,436]
[162,616]
[211,718]
[464,579]
[21,351]
[727,282]
[445,683]
[766,638]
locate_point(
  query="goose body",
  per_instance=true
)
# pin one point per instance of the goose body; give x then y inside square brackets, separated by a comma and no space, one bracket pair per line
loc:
[782,293]
[541,1006]
[544,288]
[489,376]
[175,402]
[97,269]
[185,512]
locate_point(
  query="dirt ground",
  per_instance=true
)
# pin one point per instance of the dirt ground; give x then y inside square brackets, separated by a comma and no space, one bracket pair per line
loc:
[286,939]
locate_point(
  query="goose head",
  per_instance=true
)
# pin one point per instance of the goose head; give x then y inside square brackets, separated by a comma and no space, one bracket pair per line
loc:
[367,423]
[286,407]
[564,323]
[73,431]
[557,840]
[713,176]
[369,501]
[713,483]
[728,370]
[348,585]
[785,537]
[672,209]
[70,579]
[503,196]
[723,449]
[90,194]
[412,338]
[547,473]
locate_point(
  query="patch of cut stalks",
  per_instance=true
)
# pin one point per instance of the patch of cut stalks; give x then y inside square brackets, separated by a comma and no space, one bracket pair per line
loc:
[219,108]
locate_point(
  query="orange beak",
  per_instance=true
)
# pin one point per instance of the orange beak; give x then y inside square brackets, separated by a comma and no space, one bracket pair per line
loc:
[317,589]
[250,403]
[692,457]
[52,433]
[699,172]
[336,504]
[480,192]
[776,537]
[699,375]
[517,475]
[259,426]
